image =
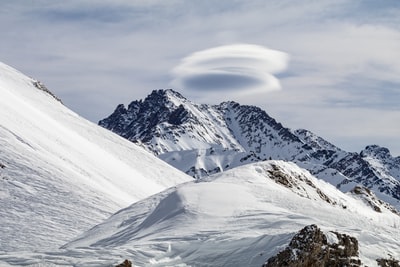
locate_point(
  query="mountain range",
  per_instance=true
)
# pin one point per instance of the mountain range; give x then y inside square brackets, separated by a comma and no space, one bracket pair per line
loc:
[201,140]
[75,194]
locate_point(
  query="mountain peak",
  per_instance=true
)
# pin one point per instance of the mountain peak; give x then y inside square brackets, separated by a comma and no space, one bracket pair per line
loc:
[165,97]
[147,119]
[376,151]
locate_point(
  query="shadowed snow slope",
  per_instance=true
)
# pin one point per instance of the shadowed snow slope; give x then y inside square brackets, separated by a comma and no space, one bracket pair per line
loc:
[237,218]
[61,173]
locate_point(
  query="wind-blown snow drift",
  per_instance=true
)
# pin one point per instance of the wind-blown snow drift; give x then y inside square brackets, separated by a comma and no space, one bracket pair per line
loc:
[63,173]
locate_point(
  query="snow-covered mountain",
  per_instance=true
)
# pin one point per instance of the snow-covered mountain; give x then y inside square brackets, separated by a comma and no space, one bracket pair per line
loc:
[382,161]
[61,174]
[241,217]
[202,139]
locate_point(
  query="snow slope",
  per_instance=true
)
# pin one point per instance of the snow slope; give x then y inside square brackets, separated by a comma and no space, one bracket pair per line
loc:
[63,174]
[237,218]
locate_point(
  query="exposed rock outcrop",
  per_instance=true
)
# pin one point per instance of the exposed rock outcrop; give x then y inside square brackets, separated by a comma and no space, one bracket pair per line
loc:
[388,262]
[43,88]
[126,263]
[311,247]
[296,183]
[372,200]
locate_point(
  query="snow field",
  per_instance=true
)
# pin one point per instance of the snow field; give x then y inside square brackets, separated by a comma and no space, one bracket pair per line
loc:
[63,173]
[241,218]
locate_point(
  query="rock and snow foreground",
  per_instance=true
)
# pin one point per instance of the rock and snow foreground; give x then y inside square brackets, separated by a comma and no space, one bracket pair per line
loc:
[241,217]
[63,175]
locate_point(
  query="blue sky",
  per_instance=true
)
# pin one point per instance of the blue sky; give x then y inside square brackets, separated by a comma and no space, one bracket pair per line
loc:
[341,79]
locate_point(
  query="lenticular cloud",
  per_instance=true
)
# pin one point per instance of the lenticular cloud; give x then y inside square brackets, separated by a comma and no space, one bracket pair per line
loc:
[243,67]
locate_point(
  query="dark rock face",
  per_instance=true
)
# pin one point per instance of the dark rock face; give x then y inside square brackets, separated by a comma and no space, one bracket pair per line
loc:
[159,115]
[140,120]
[388,262]
[178,116]
[310,247]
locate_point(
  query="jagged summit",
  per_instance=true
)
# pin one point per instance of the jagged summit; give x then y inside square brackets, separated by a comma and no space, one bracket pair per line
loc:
[166,115]
[202,139]
[378,152]
[141,119]
[160,98]
[384,165]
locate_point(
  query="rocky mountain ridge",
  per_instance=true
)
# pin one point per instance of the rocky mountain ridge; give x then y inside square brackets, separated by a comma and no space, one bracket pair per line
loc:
[202,139]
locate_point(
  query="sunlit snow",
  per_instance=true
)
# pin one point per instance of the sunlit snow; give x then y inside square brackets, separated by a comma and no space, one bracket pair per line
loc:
[64,177]
[63,174]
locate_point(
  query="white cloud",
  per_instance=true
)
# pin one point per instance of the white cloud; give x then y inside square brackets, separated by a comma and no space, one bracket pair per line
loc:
[236,68]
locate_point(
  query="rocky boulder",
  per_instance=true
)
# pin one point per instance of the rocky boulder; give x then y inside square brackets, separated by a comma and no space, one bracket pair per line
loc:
[125,263]
[312,247]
